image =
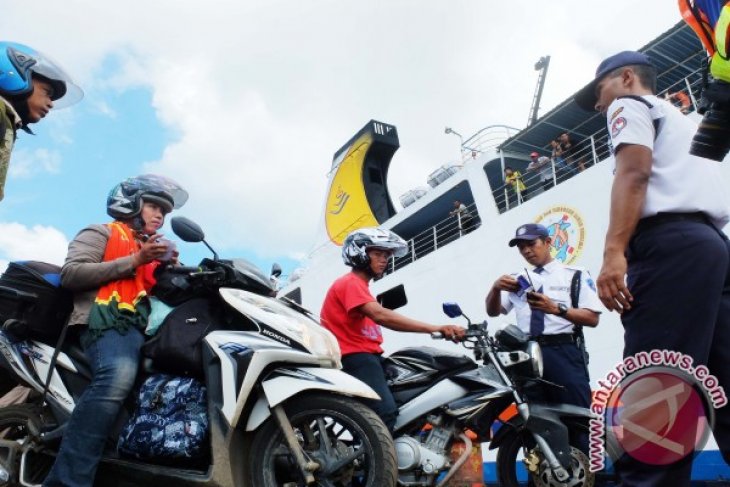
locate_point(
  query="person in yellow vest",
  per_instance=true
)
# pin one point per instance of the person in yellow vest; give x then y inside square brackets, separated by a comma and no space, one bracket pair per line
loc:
[513,179]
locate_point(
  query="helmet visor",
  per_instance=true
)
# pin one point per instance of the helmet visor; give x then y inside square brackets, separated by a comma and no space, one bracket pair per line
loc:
[66,92]
[154,183]
[398,249]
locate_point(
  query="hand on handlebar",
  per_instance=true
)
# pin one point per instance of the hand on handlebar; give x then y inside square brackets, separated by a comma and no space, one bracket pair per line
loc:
[451,332]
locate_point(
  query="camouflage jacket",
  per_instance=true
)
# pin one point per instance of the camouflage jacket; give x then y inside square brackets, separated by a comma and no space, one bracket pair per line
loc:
[8,128]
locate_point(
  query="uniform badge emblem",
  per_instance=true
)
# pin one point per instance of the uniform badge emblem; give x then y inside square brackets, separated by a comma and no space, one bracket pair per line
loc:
[617,126]
[615,114]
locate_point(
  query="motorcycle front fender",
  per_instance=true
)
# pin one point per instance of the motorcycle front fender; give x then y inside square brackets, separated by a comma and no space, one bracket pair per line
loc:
[547,422]
[283,384]
[514,425]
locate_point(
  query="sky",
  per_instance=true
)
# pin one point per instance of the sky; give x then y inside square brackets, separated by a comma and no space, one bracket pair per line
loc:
[245,102]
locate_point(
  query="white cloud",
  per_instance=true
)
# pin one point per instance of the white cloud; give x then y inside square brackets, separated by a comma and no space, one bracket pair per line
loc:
[26,164]
[104,108]
[261,93]
[19,242]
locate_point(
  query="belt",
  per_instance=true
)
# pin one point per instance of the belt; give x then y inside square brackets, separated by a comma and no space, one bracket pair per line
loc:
[662,218]
[556,339]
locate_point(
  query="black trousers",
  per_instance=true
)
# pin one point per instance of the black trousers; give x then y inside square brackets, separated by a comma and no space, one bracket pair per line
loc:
[564,365]
[679,275]
[368,367]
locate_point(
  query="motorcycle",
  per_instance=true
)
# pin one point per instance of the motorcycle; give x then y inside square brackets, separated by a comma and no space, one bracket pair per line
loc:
[453,393]
[281,412]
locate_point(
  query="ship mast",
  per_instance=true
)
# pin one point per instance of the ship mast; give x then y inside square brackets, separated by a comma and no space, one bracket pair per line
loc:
[542,66]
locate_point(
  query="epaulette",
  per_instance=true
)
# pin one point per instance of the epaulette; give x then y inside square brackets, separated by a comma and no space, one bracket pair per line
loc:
[637,98]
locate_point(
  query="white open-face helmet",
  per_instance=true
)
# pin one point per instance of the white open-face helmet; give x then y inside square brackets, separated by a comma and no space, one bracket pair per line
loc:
[357,243]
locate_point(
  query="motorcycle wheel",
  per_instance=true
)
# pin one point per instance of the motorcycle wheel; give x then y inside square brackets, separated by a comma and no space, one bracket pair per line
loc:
[19,430]
[580,474]
[329,428]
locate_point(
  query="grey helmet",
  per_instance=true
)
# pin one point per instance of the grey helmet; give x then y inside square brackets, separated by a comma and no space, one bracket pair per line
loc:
[125,200]
[357,243]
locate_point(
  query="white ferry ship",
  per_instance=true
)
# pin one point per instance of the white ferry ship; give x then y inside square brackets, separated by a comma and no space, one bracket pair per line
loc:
[447,262]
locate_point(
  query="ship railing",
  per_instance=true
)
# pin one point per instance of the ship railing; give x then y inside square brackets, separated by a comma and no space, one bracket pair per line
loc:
[486,140]
[444,232]
[586,153]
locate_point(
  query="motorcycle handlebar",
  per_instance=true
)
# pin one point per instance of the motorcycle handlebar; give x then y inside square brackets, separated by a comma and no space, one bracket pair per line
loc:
[183,269]
[437,335]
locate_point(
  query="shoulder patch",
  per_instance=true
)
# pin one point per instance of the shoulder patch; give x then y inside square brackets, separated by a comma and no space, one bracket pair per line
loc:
[615,114]
[617,126]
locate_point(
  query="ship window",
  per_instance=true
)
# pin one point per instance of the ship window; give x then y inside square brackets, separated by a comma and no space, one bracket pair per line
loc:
[393,298]
[295,295]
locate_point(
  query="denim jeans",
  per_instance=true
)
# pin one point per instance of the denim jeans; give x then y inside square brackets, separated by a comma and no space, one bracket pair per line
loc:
[114,361]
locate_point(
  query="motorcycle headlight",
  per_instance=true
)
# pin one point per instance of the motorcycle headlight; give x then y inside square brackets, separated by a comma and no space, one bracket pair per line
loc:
[323,345]
[535,353]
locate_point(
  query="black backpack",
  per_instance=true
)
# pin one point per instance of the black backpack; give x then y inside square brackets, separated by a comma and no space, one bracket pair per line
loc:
[177,348]
[32,303]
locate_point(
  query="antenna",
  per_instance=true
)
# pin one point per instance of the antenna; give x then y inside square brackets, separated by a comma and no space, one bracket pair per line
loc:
[542,66]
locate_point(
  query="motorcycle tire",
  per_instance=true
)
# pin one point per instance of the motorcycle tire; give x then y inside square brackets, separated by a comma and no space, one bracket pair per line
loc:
[507,464]
[20,425]
[346,425]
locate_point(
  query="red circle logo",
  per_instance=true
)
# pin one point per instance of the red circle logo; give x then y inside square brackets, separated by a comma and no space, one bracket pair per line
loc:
[658,416]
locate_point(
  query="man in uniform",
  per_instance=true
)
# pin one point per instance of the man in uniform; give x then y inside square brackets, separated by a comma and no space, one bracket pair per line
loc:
[665,265]
[559,301]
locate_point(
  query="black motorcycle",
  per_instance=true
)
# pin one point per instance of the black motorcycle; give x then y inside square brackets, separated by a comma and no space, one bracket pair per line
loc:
[453,393]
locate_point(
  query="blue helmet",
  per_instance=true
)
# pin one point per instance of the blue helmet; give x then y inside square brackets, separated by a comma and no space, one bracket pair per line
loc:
[18,65]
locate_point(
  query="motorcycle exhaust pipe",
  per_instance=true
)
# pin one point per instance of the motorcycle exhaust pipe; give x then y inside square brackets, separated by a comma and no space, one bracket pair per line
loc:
[462,459]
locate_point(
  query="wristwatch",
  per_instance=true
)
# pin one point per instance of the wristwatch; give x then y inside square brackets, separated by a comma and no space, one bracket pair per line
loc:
[562,309]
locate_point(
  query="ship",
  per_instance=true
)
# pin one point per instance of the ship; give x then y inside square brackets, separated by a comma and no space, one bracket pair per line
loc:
[450,260]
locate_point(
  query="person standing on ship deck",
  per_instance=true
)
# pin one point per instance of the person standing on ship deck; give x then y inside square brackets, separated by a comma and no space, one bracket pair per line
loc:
[666,264]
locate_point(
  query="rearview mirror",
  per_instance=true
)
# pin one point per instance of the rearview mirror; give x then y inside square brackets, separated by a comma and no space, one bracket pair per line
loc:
[275,270]
[452,310]
[186,229]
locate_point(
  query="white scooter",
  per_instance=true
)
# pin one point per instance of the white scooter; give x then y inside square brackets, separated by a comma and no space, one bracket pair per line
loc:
[281,411]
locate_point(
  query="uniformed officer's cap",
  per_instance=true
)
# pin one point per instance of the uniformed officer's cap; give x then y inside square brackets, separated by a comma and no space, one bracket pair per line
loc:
[529,231]
[586,98]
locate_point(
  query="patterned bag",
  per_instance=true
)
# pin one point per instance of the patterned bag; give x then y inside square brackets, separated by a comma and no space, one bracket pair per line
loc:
[170,422]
